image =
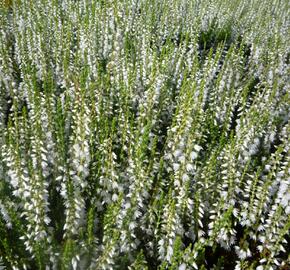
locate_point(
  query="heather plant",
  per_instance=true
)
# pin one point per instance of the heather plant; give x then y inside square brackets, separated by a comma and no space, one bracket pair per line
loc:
[139,134]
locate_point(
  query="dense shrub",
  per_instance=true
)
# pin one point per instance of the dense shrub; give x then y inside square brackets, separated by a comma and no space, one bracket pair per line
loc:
[144,134]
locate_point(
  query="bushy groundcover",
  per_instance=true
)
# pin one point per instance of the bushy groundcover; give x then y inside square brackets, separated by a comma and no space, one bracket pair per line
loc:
[144,134]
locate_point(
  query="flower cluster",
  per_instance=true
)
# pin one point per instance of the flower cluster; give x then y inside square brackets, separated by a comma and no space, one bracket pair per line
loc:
[140,134]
